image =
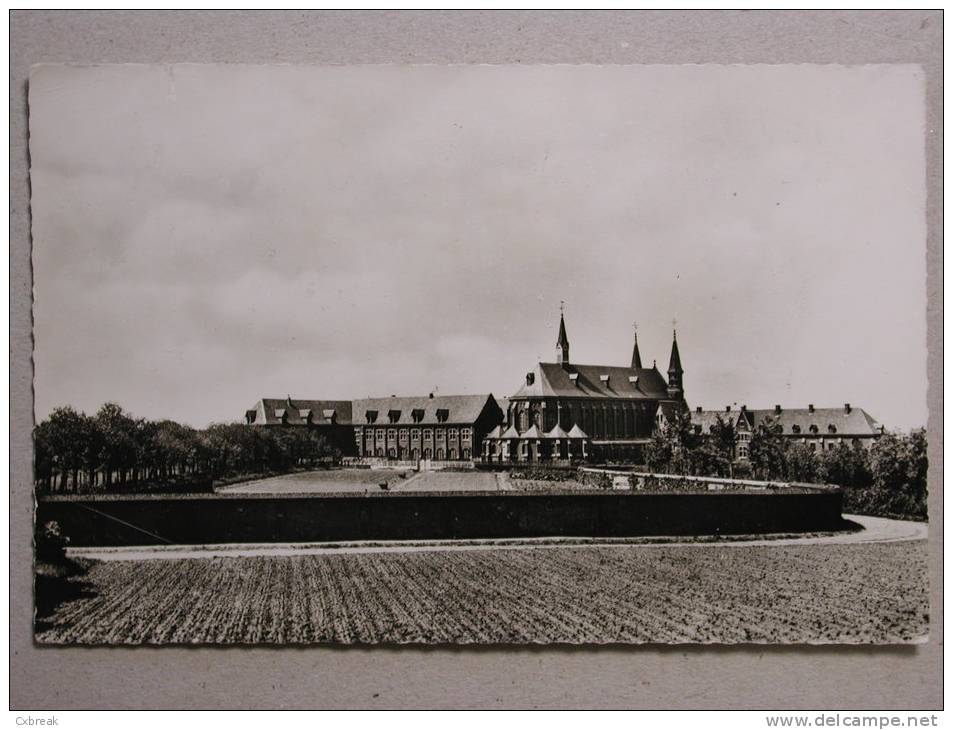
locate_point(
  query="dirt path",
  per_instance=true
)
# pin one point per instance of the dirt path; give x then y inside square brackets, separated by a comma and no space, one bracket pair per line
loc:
[875,530]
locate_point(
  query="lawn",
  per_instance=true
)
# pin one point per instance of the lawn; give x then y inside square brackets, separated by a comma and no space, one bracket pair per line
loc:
[452,481]
[330,480]
[360,480]
[751,594]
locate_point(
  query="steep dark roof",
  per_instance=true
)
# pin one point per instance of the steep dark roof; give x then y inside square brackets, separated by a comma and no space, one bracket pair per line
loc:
[675,361]
[459,409]
[562,340]
[636,355]
[855,423]
[554,380]
[267,410]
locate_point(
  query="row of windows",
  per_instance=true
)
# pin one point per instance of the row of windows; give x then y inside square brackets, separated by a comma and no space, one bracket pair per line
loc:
[417,414]
[743,448]
[438,454]
[795,429]
[595,420]
[393,433]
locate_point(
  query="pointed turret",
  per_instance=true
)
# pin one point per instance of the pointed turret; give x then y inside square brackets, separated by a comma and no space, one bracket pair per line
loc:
[636,357]
[562,343]
[675,389]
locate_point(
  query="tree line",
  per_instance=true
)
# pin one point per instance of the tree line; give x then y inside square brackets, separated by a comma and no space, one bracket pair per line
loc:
[887,478]
[113,451]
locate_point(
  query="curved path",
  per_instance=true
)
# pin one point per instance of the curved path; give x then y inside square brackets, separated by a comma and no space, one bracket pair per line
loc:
[874,530]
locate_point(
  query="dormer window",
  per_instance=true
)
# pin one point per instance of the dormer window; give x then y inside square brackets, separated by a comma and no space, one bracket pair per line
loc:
[442,415]
[281,414]
[813,428]
[795,429]
[832,428]
[417,414]
[305,415]
[574,378]
[371,416]
[634,379]
[330,415]
[393,416]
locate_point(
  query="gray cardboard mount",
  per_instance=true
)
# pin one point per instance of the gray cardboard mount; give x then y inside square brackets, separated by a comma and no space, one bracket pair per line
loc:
[653,677]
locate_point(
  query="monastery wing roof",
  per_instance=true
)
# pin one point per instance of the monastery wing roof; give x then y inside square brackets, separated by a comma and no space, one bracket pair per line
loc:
[856,422]
[457,408]
[707,419]
[595,381]
[297,410]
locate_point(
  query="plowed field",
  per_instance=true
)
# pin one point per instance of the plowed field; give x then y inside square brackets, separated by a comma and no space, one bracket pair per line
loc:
[764,594]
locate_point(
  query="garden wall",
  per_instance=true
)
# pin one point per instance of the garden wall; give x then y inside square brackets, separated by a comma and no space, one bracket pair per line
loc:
[210,519]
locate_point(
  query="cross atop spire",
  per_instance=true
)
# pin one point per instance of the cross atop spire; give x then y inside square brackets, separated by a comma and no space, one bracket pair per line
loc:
[636,356]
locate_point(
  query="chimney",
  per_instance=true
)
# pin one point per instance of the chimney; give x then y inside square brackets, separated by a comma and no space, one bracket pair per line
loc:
[777,409]
[847,408]
[698,409]
[744,408]
[810,407]
[727,409]
[431,396]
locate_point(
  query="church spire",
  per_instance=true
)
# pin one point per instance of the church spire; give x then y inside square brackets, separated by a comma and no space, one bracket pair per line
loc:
[562,341]
[675,372]
[636,356]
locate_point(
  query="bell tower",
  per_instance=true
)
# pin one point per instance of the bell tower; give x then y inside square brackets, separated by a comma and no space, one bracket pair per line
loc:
[675,372]
[562,341]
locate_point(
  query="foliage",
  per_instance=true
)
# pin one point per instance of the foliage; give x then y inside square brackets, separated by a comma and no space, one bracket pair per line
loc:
[673,444]
[114,451]
[887,478]
[766,452]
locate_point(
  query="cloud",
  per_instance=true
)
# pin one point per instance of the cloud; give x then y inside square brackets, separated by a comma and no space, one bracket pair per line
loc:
[206,235]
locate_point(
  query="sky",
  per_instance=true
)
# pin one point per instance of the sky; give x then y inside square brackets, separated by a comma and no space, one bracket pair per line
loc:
[208,235]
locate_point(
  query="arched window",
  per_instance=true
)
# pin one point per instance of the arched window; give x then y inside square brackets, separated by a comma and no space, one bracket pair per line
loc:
[832,428]
[813,428]
[795,429]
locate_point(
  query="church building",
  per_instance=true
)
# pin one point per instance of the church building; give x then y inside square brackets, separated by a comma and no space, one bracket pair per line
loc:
[568,411]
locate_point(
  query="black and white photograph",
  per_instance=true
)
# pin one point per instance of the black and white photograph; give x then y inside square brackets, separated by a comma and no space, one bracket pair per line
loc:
[479,354]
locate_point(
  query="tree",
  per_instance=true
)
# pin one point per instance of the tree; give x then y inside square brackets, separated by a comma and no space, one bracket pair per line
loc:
[801,463]
[118,448]
[899,473]
[63,439]
[846,466]
[672,445]
[714,456]
[766,451]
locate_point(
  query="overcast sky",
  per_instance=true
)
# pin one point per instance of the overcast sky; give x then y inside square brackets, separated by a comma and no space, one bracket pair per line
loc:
[208,235]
